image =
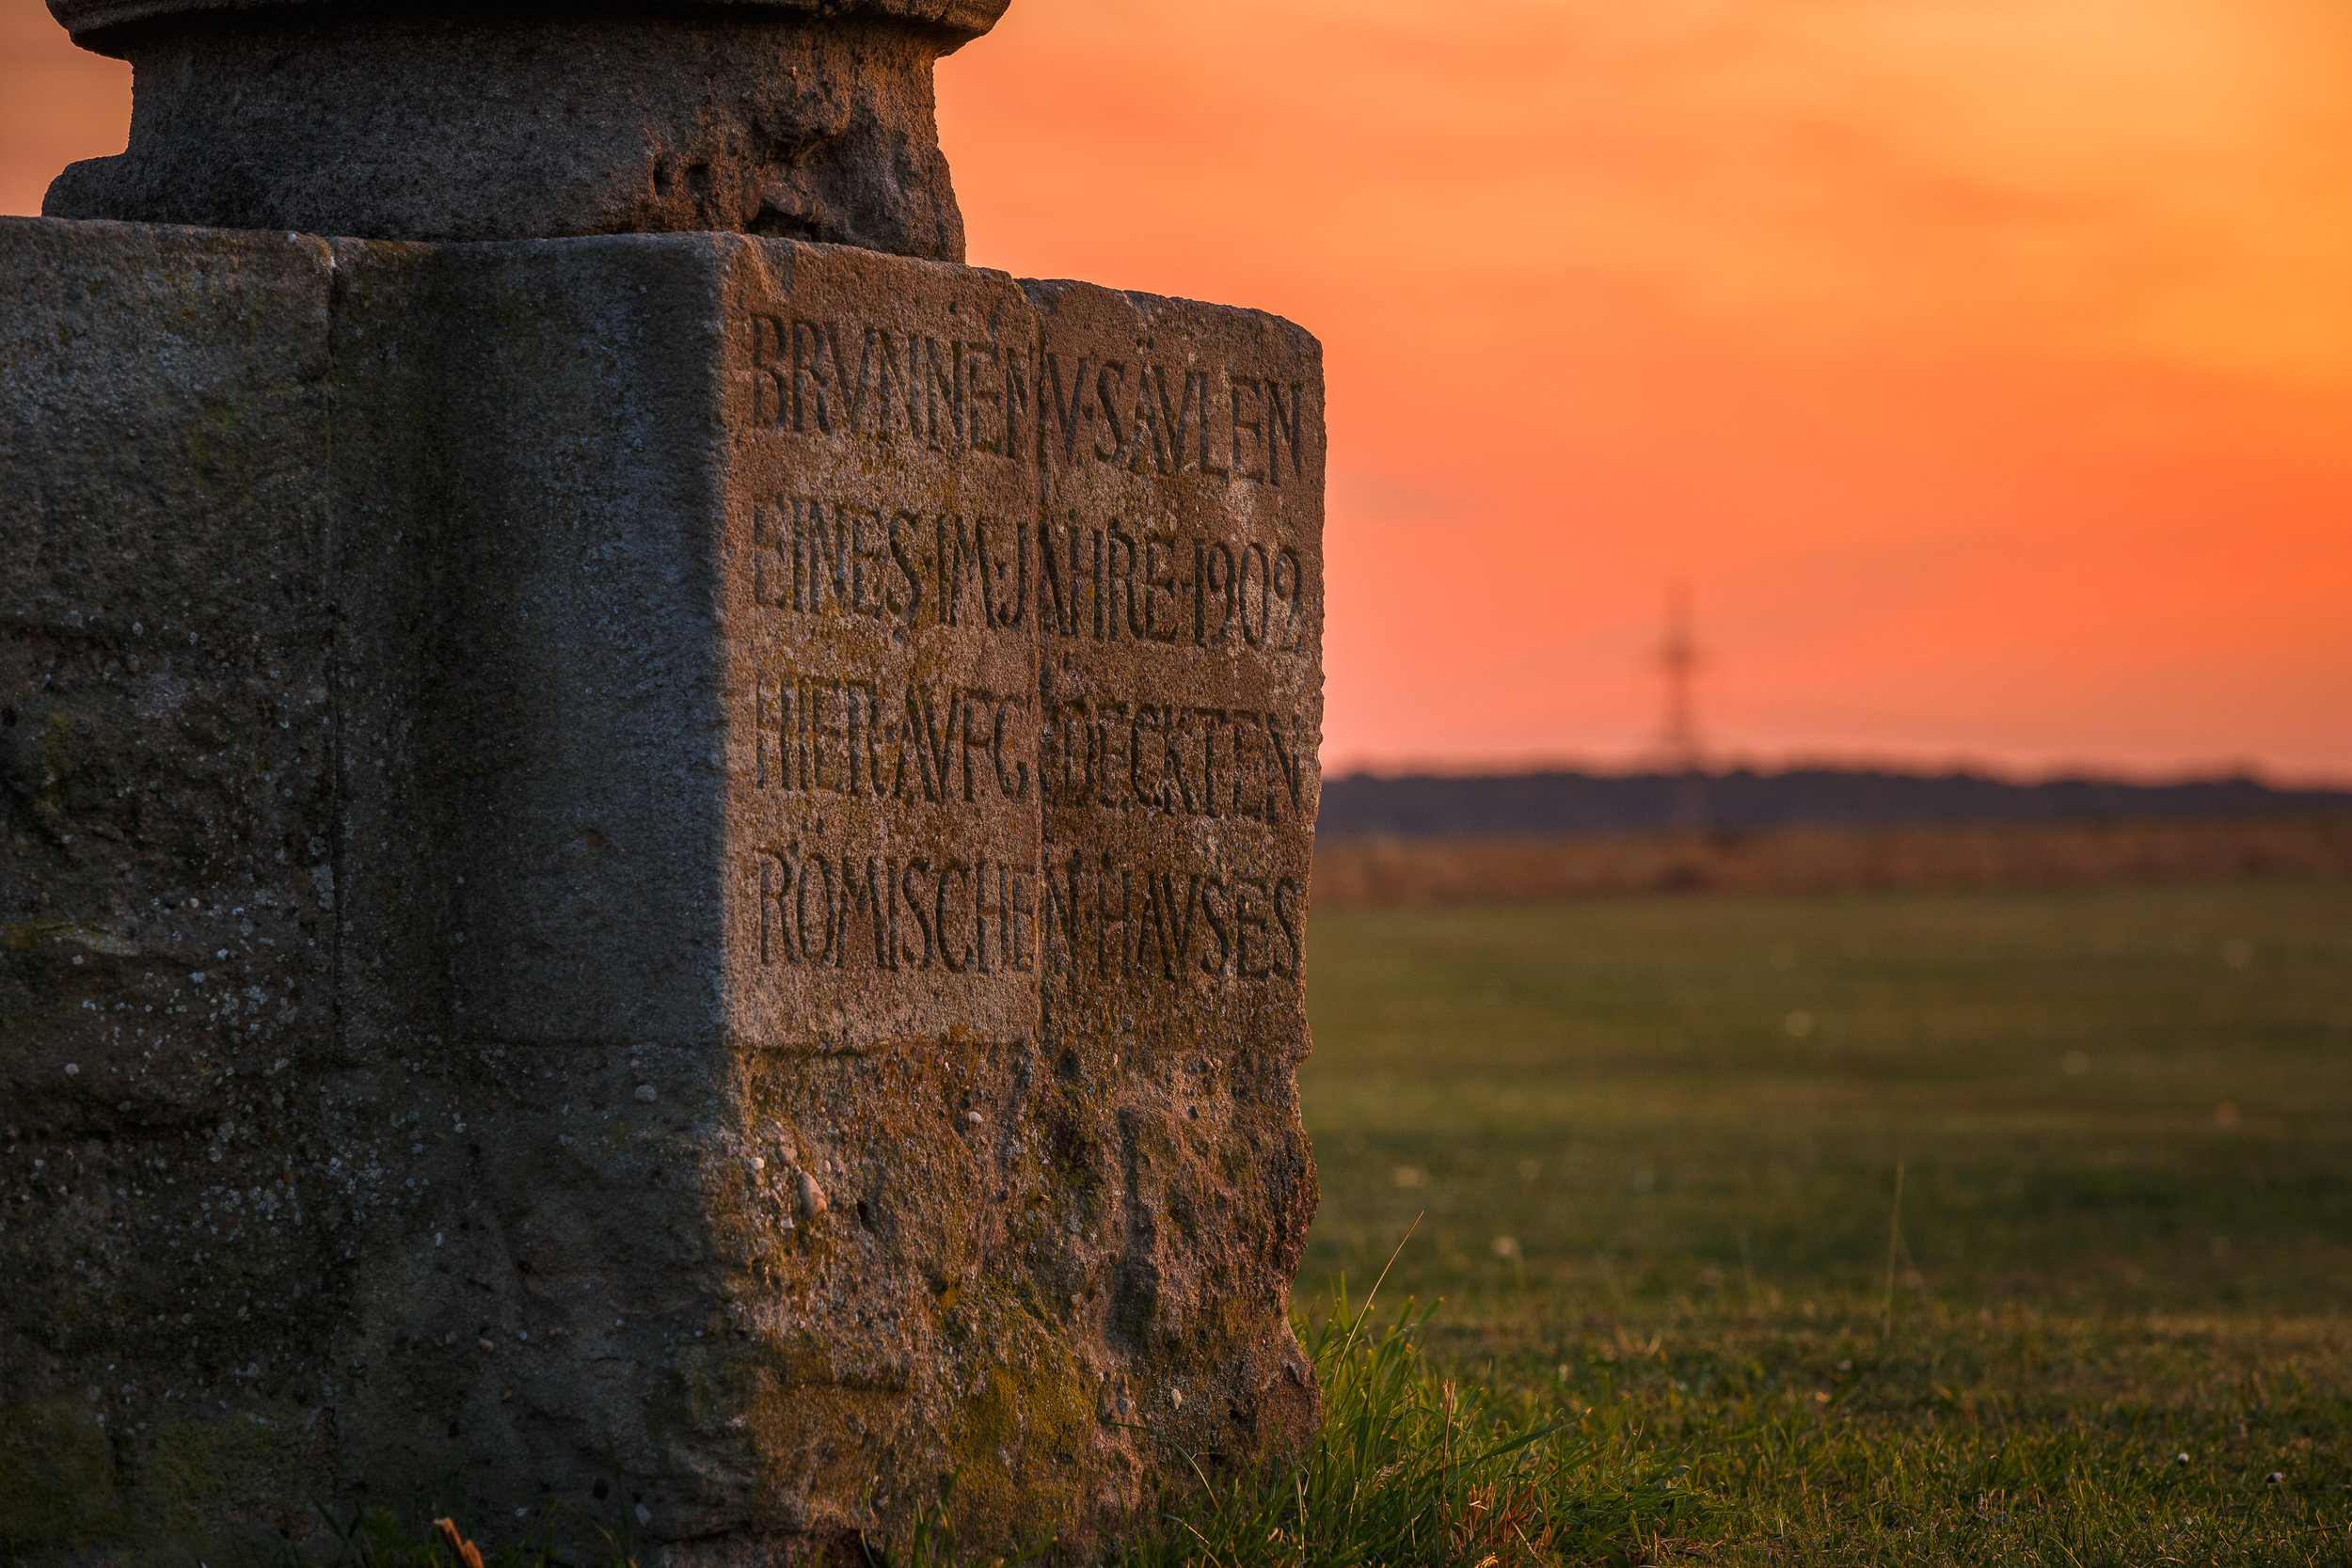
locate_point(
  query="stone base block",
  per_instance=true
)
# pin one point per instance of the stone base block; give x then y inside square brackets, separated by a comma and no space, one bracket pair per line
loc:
[659,873]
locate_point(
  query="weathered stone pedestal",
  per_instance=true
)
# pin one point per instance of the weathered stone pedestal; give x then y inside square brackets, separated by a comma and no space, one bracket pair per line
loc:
[656,872]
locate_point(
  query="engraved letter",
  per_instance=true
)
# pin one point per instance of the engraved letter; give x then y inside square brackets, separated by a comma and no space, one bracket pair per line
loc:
[1254,425]
[910,886]
[768,399]
[813,387]
[1110,375]
[1069,412]
[1274,431]
[775,889]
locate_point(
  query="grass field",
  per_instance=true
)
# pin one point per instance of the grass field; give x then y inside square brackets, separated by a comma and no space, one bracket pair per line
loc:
[1654,1148]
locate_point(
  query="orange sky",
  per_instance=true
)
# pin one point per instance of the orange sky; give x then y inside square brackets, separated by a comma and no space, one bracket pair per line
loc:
[1985,365]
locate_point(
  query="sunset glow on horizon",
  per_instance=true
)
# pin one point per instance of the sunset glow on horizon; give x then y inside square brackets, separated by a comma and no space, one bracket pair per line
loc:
[1983,366]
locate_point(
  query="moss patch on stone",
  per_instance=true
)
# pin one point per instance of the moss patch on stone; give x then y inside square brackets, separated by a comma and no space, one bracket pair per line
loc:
[58,1481]
[1013,1445]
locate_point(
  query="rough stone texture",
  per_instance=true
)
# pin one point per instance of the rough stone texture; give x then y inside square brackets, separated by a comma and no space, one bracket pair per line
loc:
[166,939]
[415,121]
[1181,639]
[714,832]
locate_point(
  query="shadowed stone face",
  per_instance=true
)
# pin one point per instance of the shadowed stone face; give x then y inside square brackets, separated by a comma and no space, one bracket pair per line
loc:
[431,123]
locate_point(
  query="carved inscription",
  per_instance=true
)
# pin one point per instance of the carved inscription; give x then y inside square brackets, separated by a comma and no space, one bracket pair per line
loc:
[1031,683]
[1177,759]
[1119,583]
[1145,418]
[964,395]
[1107,920]
[953,395]
[842,559]
[920,742]
[822,908]
[1135,582]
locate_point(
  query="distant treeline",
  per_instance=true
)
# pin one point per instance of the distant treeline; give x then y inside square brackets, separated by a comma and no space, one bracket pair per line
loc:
[1985,857]
[1549,804]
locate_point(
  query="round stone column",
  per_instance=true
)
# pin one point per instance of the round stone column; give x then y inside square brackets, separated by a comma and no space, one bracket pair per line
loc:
[508,119]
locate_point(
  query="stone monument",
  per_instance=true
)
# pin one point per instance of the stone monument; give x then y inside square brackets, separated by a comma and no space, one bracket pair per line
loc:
[653,841]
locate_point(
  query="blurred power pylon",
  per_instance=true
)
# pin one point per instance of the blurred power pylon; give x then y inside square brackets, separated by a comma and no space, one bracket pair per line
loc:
[1679,658]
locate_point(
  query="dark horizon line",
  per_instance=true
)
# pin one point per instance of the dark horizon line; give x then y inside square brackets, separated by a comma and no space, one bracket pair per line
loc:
[1563,801]
[2240,774]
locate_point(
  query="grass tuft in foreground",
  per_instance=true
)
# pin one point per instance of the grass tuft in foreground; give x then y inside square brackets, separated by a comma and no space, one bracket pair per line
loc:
[1415,1467]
